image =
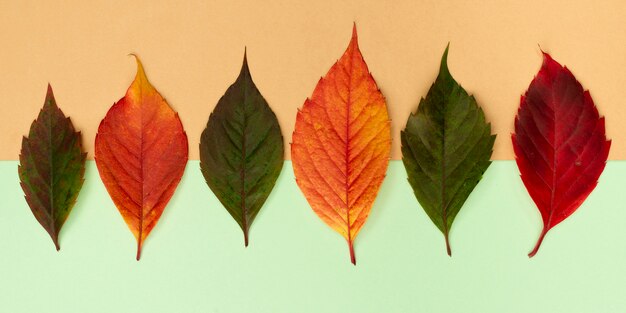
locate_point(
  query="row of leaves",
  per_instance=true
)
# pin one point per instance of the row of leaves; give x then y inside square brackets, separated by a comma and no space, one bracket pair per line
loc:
[340,150]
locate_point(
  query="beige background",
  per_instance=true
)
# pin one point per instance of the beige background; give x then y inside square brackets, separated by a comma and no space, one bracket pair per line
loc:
[192,51]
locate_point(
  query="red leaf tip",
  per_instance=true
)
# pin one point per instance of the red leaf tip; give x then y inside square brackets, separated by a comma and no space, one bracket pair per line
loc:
[550,67]
[547,58]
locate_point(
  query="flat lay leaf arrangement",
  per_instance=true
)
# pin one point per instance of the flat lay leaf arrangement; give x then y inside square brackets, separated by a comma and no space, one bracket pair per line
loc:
[241,150]
[341,145]
[446,148]
[560,144]
[141,152]
[340,150]
[52,167]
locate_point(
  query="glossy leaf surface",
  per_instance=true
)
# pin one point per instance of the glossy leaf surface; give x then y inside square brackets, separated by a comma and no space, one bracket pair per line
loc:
[141,152]
[241,150]
[560,144]
[52,167]
[446,148]
[341,145]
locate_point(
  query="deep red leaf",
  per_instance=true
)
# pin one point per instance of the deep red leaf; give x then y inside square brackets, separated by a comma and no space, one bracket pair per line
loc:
[560,144]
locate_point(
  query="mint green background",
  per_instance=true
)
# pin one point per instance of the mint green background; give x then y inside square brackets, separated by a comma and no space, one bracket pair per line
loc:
[195,261]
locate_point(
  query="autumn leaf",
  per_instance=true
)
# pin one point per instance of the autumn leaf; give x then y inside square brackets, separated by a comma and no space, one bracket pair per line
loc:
[241,150]
[52,167]
[341,145]
[560,144]
[141,153]
[446,147]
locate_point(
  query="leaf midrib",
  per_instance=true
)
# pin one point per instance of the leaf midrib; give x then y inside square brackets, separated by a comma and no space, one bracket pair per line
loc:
[51,160]
[555,152]
[347,153]
[554,162]
[242,169]
[141,179]
[444,206]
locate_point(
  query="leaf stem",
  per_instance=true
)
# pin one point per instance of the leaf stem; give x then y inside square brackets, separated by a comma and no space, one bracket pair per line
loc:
[245,238]
[138,250]
[352,256]
[539,241]
[448,244]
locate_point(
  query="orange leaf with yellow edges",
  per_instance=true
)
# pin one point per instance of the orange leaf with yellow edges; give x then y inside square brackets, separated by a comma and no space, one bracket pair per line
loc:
[141,152]
[341,145]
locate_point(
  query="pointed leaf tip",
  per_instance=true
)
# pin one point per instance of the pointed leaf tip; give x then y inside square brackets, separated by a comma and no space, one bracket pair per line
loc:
[546,56]
[354,41]
[49,91]
[140,77]
[244,65]
[50,101]
[444,61]
[549,65]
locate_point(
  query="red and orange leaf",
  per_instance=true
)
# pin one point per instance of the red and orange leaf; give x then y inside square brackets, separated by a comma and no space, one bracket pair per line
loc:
[341,145]
[141,152]
[560,144]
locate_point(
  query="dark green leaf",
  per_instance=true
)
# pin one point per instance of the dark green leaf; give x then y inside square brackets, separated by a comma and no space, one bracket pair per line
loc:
[241,150]
[52,166]
[446,147]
